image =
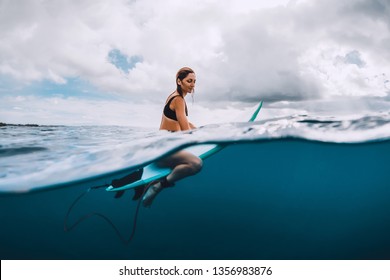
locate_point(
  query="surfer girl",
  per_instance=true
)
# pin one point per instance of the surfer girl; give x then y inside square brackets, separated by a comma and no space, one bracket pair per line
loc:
[174,118]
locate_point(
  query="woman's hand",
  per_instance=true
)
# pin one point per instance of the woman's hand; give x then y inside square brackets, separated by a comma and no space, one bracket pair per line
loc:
[192,126]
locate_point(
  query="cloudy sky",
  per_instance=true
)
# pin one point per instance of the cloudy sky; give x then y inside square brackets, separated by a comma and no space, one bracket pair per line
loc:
[114,62]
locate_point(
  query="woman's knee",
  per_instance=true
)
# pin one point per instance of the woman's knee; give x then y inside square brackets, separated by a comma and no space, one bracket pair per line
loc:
[196,165]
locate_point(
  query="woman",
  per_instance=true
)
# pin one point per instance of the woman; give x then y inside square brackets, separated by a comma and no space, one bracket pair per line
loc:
[174,118]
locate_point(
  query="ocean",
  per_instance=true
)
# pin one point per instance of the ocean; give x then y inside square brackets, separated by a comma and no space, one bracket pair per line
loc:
[294,188]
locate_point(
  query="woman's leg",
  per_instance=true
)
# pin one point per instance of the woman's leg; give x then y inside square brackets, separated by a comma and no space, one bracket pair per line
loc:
[183,164]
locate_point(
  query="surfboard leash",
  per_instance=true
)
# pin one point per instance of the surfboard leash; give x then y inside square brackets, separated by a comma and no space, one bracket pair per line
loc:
[146,188]
[68,228]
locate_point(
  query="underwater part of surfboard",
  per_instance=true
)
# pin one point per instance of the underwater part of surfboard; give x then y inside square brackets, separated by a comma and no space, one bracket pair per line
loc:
[140,180]
[153,172]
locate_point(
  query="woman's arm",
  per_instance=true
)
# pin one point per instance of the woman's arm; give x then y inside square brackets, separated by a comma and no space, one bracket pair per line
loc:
[179,106]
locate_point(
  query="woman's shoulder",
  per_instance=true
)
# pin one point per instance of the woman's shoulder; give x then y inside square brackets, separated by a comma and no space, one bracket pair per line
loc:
[172,96]
[178,99]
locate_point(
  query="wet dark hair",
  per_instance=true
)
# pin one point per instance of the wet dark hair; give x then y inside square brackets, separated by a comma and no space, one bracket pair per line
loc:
[182,74]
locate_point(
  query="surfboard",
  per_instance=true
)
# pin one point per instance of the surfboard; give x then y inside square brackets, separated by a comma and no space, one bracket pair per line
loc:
[153,172]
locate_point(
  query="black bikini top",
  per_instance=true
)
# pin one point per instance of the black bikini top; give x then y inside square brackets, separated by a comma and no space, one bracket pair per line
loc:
[170,114]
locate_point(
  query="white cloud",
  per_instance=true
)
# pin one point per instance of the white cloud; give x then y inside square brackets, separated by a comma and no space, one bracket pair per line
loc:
[241,50]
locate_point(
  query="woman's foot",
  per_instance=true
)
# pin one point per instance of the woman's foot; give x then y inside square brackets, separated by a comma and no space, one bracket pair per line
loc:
[151,194]
[154,190]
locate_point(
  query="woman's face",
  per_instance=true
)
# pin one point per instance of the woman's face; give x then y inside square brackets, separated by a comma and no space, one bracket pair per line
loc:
[188,83]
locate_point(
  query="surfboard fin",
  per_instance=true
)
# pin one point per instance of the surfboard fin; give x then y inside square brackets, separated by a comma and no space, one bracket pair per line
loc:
[138,192]
[132,177]
[119,194]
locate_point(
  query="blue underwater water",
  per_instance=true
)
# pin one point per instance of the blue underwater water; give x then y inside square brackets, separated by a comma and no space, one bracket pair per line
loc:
[285,193]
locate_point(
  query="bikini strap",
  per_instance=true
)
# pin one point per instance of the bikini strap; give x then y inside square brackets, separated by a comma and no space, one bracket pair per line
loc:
[170,100]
